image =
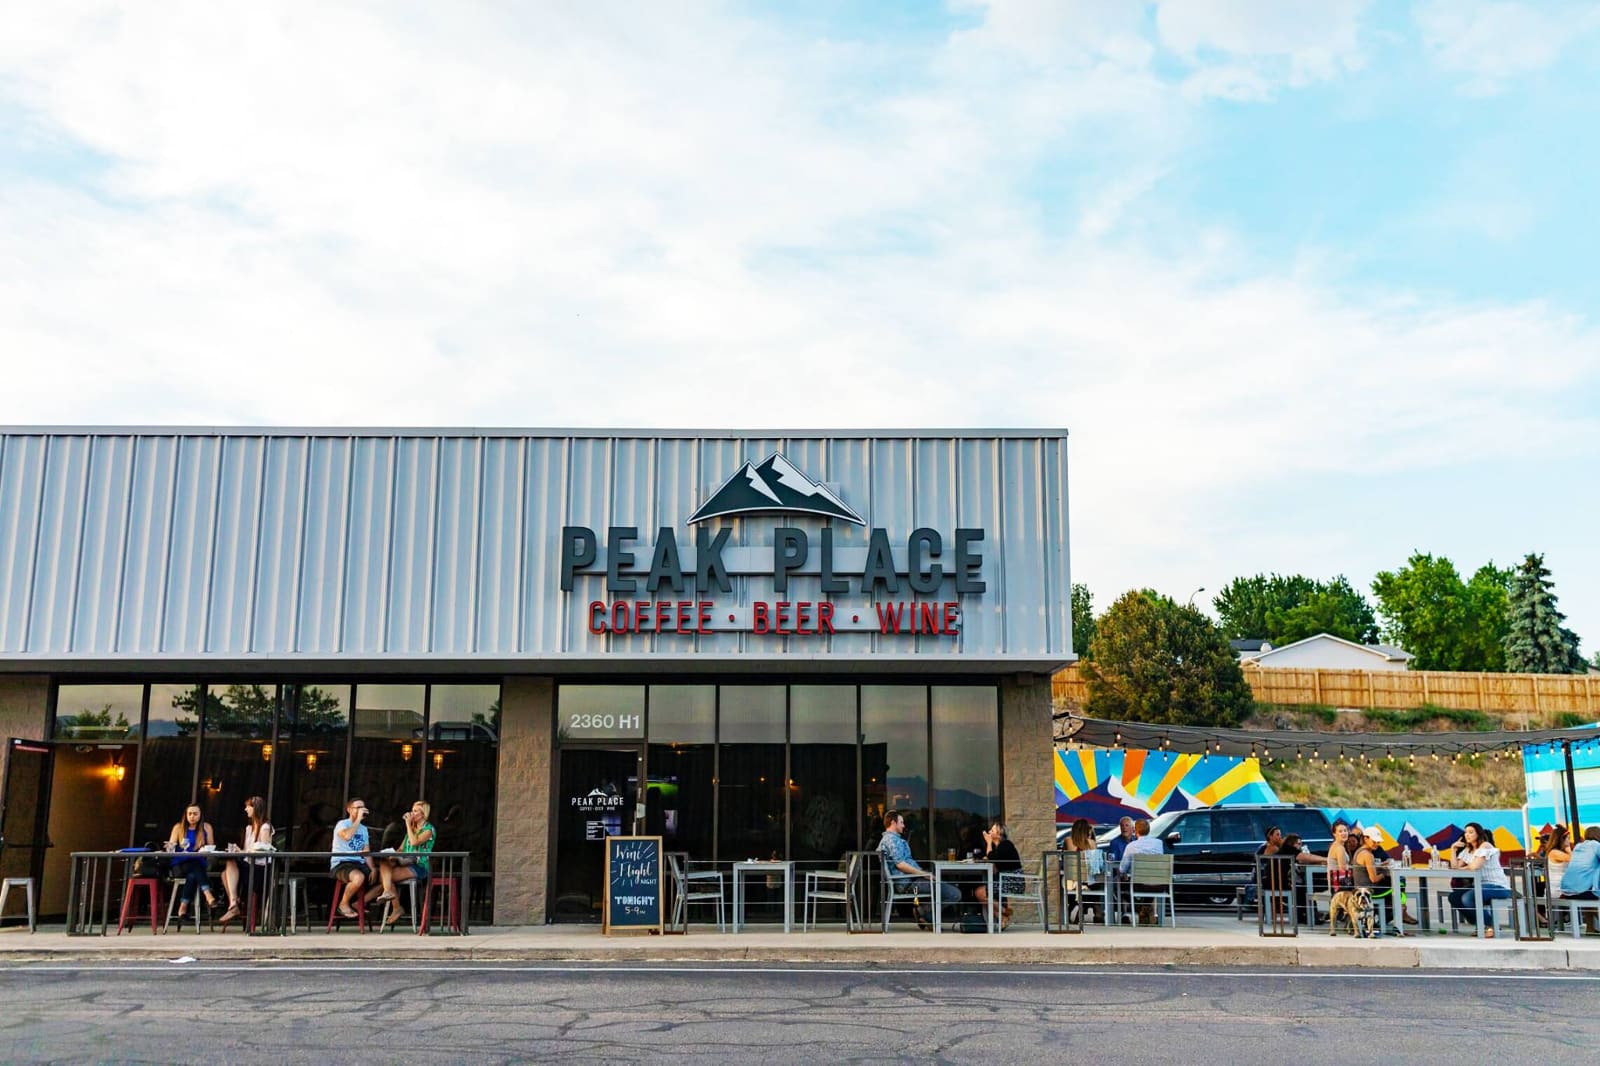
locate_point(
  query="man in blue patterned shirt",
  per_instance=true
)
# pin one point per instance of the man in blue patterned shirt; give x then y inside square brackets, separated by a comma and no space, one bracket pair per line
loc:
[904,869]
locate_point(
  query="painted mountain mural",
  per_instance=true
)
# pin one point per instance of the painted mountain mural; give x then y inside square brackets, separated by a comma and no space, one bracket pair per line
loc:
[775,484]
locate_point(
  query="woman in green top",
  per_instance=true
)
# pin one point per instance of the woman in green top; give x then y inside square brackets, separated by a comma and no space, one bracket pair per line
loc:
[411,864]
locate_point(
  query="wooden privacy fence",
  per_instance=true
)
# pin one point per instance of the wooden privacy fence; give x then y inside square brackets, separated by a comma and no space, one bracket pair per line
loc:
[1547,694]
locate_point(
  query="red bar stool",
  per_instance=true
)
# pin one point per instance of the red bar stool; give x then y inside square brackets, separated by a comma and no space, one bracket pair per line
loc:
[334,917]
[449,898]
[152,889]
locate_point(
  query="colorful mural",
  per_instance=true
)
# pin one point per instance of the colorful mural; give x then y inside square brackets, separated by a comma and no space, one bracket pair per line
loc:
[1103,786]
[1434,830]
[1545,769]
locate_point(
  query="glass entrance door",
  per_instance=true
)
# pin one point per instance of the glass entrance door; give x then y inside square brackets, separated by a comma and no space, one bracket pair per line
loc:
[599,797]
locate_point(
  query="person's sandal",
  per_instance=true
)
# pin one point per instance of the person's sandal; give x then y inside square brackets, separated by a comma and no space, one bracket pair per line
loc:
[229,915]
[390,919]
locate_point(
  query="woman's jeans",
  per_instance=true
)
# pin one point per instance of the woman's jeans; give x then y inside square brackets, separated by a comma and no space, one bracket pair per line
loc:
[1461,900]
[194,877]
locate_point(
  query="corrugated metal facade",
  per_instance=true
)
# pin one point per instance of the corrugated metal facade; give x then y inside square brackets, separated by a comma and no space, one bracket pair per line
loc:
[119,546]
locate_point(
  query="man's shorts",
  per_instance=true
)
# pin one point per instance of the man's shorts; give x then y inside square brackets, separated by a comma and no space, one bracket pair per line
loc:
[345,870]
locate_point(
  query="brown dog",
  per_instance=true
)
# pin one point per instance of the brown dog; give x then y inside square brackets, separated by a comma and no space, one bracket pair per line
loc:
[1344,903]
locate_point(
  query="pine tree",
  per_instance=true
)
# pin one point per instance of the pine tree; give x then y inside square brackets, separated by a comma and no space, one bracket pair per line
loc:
[1536,642]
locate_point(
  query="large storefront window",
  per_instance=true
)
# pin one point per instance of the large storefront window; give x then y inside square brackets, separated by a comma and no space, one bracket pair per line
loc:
[236,729]
[386,755]
[822,766]
[966,766]
[313,737]
[804,771]
[894,760]
[462,767]
[751,772]
[680,798]
[304,748]
[167,764]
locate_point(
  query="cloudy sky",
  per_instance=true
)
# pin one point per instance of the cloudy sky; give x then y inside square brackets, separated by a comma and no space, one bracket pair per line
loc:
[1312,283]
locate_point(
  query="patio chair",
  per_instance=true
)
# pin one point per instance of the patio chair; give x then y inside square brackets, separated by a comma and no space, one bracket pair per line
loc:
[830,886]
[1150,878]
[893,893]
[694,883]
[1029,891]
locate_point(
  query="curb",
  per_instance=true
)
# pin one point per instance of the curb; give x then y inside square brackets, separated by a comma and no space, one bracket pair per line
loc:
[1285,956]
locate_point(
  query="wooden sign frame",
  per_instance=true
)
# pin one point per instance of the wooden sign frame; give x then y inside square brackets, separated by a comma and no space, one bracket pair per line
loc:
[661,893]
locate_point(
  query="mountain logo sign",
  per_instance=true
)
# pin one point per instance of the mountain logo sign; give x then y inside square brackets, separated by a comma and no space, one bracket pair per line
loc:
[774,486]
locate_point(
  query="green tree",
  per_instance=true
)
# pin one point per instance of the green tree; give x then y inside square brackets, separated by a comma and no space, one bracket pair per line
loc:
[1082,620]
[1282,610]
[1444,622]
[87,723]
[1155,660]
[246,711]
[1536,642]
[1245,604]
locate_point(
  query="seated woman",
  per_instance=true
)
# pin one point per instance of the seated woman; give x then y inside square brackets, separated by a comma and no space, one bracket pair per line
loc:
[1476,851]
[1007,865]
[1080,838]
[188,836]
[257,837]
[410,865]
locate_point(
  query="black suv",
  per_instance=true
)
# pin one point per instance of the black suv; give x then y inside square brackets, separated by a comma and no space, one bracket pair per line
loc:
[1214,849]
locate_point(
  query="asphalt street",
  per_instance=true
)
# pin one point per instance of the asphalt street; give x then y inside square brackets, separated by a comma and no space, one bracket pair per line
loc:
[409,1012]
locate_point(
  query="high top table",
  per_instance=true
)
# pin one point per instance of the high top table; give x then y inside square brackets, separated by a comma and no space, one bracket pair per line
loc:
[741,870]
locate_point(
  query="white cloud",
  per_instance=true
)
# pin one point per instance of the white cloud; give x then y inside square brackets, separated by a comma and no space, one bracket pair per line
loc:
[1490,42]
[339,216]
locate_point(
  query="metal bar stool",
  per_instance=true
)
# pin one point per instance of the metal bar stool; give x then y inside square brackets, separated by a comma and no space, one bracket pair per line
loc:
[25,883]
[448,886]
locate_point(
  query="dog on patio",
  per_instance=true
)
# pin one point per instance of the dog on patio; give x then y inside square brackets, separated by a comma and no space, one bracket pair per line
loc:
[1346,904]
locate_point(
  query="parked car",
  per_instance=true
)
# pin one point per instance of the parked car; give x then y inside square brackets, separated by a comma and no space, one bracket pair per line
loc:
[1214,848]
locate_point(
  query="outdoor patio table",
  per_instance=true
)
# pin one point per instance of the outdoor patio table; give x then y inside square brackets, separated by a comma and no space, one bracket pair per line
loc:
[741,870]
[962,865]
[1423,874]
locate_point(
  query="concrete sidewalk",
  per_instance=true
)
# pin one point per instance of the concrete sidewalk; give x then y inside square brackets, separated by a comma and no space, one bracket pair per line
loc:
[1204,941]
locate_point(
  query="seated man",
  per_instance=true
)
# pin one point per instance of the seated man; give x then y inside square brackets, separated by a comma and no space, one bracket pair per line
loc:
[1582,879]
[350,863]
[1120,842]
[908,876]
[1142,844]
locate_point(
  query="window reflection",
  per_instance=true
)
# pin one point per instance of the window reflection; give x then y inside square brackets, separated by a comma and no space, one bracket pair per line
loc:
[167,764]
[894,761]
[822,761]
[966,766]
[751,772]
[310,796]
[98,712]
[463,758]
[680,797]
[386,756]
[236,731]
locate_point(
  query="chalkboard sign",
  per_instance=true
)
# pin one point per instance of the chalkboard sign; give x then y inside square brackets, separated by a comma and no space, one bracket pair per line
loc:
[633,884]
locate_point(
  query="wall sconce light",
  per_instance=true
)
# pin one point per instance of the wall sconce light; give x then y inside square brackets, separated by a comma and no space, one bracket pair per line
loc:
[405,752]
[438,760]
[311,760]
[119,771]
[266,753]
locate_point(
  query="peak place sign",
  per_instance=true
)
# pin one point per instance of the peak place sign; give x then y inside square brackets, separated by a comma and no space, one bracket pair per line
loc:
[882,573]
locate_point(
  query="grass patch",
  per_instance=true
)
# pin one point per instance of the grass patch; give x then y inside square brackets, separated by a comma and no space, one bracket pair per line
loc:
[1572,720]
[1409,720]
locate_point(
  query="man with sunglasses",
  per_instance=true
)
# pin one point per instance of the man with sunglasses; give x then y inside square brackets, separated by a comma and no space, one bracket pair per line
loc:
[351,865]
